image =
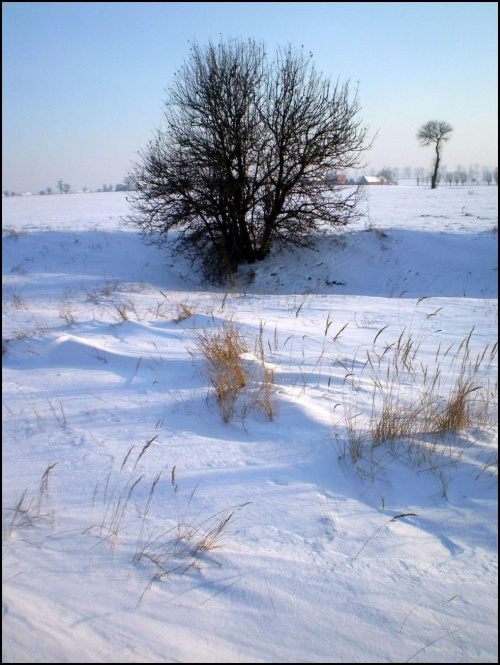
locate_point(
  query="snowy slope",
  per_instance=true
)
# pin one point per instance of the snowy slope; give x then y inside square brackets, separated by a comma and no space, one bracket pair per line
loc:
[140,527]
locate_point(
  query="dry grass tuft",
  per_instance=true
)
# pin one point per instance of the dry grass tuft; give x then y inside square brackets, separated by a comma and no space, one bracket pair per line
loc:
[104,291]
[66,312]
[415,406]
[263,390]
[458,411]
[122,312]
[14,234]
[235,369]
[183,312]
[116,497]
[59,415]
[29,510]
[222,349]
[183,546]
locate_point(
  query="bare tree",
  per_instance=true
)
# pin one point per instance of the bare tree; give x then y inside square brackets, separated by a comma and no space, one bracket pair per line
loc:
[388,174]
[63,187]
[129,183]
[242,162]
[435,132]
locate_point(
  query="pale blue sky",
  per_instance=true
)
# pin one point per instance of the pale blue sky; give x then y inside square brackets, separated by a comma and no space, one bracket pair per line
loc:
[84,83]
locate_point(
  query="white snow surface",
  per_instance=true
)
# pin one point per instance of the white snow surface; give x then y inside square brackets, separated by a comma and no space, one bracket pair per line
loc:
[313,555]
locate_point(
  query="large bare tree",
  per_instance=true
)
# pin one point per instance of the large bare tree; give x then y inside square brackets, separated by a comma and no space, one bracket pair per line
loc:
[435,132]
[240,163]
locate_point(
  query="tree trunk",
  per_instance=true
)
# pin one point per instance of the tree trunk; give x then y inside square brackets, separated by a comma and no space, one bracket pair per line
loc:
[436,166]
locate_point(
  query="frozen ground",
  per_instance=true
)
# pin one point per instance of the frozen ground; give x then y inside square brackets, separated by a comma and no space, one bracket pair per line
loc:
[138,526]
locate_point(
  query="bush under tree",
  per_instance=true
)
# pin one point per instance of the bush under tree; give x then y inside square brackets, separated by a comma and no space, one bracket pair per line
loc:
[240,164]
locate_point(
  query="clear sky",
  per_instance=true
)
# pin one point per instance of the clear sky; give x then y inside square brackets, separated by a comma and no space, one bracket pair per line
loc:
[84,82]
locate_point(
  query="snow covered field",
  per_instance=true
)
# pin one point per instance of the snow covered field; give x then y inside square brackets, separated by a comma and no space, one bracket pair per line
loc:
[139,526]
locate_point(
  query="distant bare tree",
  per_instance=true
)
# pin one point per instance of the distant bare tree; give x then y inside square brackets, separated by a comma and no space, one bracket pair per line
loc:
[129,183]
[476,171]
[435,132]
[495,175]
[389,174]
[449,177]
[419,172]
[63,187]
[487,176]
[242,163]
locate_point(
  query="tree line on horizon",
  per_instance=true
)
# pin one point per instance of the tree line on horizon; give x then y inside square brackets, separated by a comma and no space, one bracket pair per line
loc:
[460,176]
[65,188]
[472,175]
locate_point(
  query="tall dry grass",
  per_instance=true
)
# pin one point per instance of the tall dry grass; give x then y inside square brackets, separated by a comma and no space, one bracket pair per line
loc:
[222,350]
[413,405]
[234,369]
[30,508]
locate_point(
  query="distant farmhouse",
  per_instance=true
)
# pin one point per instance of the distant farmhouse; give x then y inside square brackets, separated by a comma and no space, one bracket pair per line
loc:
[336,178]
[372,180]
